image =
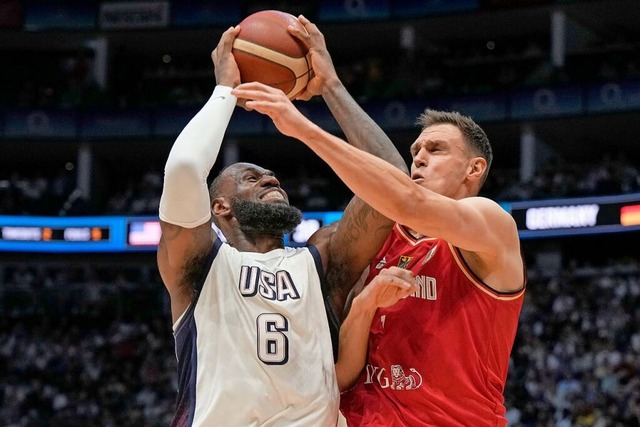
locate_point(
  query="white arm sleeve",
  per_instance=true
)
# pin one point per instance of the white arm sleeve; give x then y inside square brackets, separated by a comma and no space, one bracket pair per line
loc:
[185,196]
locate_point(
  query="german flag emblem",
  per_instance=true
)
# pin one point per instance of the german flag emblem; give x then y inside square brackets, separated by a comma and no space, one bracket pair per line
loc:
[404,261]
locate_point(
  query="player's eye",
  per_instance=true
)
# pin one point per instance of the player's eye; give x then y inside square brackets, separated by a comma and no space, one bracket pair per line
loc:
[251,177]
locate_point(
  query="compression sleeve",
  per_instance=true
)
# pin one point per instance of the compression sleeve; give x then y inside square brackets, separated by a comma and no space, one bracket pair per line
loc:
[185,196]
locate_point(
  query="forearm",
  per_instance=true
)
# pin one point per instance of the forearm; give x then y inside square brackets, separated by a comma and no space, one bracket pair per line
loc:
[354,335]
[387,189]
[185,196]
[360,130]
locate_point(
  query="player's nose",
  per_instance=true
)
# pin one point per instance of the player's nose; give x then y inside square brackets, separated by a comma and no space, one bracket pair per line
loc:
[270,180]
[420,158]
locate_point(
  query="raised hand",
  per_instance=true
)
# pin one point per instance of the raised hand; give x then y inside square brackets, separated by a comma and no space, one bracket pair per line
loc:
[388,287]
[225,66]
[321,63]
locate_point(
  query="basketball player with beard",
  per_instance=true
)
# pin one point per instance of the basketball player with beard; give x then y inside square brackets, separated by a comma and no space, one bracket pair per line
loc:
[256,323]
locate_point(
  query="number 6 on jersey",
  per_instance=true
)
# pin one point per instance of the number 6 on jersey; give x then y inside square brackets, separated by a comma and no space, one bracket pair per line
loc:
[273,344]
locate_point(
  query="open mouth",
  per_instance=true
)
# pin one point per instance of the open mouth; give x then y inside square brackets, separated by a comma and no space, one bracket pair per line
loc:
[272,195]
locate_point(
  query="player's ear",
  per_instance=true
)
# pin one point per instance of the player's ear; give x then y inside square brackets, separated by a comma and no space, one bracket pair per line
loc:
[477,167]
[220,206]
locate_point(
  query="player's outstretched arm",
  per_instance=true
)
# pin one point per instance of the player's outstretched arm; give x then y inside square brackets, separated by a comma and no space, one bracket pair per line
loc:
[360,129]
[185,207]
[387,288]
[362,230]
[395,195]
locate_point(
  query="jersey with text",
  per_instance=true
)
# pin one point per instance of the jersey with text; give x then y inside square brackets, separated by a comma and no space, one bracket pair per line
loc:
[254,348]
[438,357]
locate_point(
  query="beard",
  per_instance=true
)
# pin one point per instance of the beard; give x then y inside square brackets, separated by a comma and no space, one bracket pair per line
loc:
[257,219]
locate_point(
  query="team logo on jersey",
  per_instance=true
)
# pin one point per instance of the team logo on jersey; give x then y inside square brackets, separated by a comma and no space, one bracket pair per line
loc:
[381,263]
[402,381]
[430,255]
[398,380]
[404,261]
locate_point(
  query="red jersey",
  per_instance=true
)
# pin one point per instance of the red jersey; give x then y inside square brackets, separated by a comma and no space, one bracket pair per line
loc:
[439,357]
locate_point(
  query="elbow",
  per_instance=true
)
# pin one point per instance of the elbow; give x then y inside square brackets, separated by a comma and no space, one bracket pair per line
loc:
[180,168]
[342,387]
[346,380]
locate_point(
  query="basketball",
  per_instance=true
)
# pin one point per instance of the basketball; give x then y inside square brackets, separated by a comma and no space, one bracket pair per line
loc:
[265,52]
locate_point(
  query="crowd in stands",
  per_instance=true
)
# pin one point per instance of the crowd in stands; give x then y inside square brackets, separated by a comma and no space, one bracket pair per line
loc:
[610,174]
[92,345]
[469,68]
[576,360]
[83,346]
[70,80]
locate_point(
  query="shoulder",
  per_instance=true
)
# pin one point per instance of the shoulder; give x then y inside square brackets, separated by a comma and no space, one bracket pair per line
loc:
[321,239]
[493,212]
[482,202]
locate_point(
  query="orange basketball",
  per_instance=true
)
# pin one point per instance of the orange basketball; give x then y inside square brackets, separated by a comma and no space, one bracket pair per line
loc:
[267,53]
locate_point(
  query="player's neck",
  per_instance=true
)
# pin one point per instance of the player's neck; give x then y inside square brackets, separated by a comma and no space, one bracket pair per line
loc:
[262,244]
[415,234]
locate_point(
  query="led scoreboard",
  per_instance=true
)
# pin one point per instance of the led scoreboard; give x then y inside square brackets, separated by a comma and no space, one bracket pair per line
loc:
[577,216]
[20,233]
[60,234]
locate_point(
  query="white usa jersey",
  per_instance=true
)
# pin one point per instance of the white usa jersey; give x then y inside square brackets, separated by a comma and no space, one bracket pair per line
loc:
[255,346]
